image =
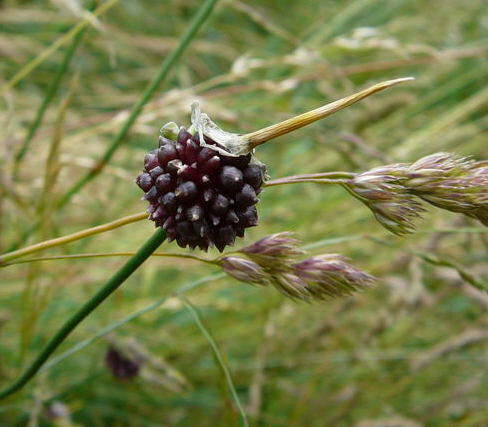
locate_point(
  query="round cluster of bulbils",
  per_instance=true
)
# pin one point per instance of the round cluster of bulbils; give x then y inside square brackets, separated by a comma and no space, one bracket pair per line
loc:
[199,196]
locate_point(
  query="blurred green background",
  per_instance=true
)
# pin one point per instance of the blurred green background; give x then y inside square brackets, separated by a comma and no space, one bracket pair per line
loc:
[410,352]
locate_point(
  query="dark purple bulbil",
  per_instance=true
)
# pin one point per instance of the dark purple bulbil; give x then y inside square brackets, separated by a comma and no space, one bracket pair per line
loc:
[198,195]
[121,366]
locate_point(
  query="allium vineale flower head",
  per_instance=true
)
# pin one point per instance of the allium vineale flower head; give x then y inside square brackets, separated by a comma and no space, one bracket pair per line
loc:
[200,196]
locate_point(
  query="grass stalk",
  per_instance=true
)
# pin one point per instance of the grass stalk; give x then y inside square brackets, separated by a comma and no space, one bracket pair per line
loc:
[39,59]
[440,262]
[218,355]
[50,94]
[112,284]
[9,256]
[107,255]
[109,328]
[286,181]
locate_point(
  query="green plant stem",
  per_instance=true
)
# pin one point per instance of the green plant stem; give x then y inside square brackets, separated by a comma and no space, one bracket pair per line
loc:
[215,348]
[201,16]
[109,328]
[51,92]
[9,256]
[112,284]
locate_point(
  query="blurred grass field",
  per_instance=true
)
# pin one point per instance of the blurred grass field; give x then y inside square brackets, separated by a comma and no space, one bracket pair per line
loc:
[410,352]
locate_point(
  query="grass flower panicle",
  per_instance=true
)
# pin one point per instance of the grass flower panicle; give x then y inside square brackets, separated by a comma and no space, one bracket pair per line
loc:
[391,204]
[331,275]
[273,260]
[274,251]
[443,180]
[452,183]
[244,270]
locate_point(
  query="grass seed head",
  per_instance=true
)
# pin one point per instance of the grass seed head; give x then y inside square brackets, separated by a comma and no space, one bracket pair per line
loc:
[392,205]
[452,183]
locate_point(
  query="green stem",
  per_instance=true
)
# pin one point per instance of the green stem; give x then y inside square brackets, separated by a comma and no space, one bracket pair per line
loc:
[51,92]
[220,359]
[112,284]
[201,16]
[109,328]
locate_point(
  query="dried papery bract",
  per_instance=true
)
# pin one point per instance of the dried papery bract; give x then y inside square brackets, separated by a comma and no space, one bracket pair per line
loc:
[237,144]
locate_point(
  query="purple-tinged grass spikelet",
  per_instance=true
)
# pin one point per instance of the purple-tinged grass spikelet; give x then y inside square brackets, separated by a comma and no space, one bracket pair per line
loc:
[391,204]
[452,183]
[331,275]
[273,261]
[244,270]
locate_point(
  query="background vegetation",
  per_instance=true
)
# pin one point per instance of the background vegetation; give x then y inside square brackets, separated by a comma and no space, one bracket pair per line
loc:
[412,351]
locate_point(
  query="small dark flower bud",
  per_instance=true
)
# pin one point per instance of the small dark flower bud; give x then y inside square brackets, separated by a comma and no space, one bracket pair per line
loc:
[152,194]
[155,172]
[150,161]
[144,181]
[208,195]
[194,213]
[186,191]
[220,205]
[231,178]
[166,153]
[231,217]
[164,183]
[211,165]
[183,136]
[254,175]
[240,161]
[169,201]
[247,196]
[174,166]
[248,217]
